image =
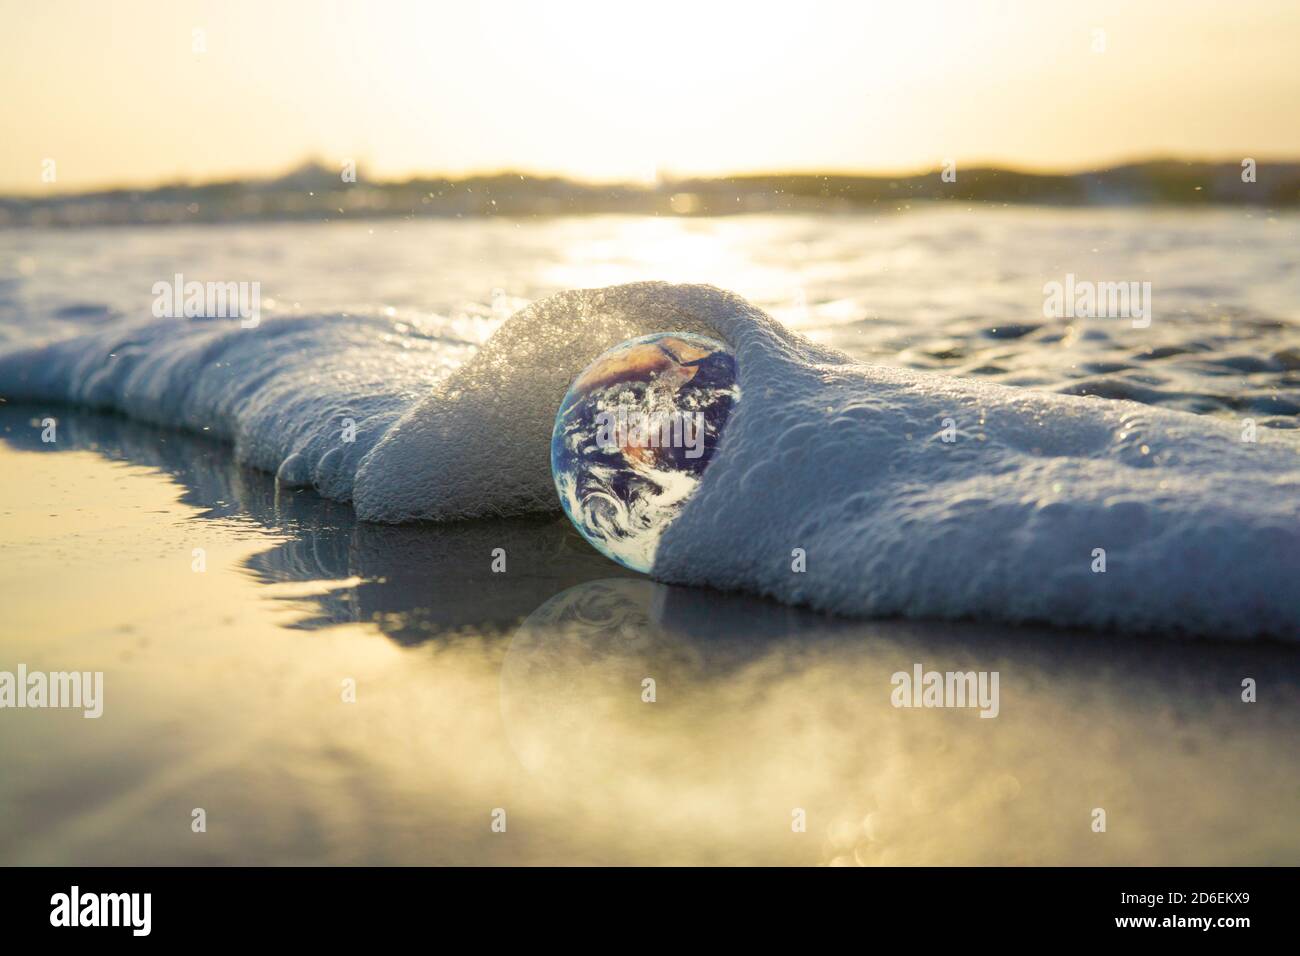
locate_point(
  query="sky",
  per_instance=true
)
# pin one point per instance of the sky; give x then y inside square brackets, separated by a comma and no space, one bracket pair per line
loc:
[138,92]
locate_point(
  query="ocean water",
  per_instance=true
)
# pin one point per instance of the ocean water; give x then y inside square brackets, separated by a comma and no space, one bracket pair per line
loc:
[524,692]
[863,344]
[957,291]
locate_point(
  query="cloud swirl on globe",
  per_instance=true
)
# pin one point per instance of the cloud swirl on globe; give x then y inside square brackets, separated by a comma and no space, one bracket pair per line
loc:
[633,436]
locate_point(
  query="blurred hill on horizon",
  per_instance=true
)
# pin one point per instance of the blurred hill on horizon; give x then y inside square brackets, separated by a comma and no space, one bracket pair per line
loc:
[314,191]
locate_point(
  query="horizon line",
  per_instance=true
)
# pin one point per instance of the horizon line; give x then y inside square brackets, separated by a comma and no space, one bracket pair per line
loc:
[663,176]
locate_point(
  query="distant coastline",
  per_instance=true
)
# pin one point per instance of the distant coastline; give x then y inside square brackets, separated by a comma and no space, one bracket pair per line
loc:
[314,192]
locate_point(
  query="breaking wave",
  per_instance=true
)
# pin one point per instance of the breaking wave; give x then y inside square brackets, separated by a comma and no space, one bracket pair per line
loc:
[905,492]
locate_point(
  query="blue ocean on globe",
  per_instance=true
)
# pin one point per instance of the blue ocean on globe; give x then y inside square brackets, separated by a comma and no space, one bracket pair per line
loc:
[633,436]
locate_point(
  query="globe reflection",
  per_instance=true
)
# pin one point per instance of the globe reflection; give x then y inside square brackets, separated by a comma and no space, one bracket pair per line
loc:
[633,436]
[573,674]
[574,691]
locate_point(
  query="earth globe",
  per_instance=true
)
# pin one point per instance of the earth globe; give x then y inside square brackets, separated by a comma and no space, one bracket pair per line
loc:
[633,436]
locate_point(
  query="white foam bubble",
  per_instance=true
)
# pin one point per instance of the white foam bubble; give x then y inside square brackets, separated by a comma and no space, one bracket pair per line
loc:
[482,445]
[1201,531]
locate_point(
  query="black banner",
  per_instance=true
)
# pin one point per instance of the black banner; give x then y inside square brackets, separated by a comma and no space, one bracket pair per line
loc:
[333,905]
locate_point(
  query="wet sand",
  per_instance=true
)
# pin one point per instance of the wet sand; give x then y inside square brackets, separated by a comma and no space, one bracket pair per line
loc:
[523,692]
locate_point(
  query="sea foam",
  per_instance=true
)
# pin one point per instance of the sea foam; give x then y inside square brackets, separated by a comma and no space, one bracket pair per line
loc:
[843,463]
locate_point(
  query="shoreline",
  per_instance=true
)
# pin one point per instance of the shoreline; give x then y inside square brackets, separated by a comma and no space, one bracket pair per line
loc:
[181,454]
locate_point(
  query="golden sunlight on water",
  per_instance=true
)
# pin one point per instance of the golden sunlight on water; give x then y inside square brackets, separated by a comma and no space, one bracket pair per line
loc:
[223,692]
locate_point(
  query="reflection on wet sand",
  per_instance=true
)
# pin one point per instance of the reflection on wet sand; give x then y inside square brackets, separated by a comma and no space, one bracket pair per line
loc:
[528,690]
[416,581]
[757,715]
